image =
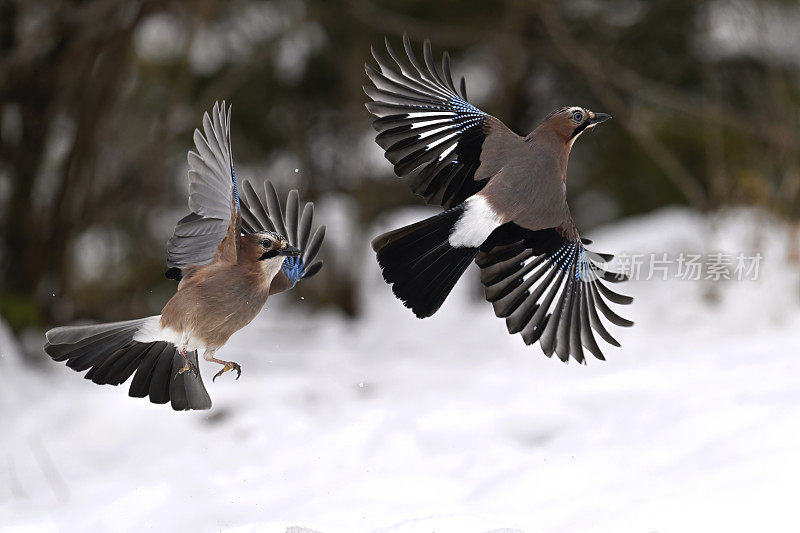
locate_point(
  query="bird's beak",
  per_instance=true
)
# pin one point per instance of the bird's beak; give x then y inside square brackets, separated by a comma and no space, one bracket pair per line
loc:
[597,118]
[289,250]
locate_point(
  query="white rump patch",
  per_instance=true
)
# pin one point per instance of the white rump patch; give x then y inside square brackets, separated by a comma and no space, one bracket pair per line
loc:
[475,225]
[151,331]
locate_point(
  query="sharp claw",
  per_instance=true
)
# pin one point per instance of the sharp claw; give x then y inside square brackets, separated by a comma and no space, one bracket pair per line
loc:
[228,366]
[190,367]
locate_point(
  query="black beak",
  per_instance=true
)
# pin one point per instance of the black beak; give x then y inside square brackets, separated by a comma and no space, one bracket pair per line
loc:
[290,251]
[599,117]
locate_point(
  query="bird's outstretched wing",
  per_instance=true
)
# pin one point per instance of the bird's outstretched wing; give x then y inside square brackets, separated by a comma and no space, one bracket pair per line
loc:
[522,272]
[426,126]
[263,212]
[211,230]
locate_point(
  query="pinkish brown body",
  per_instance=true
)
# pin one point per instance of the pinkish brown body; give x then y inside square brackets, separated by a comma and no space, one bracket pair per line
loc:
[215,301]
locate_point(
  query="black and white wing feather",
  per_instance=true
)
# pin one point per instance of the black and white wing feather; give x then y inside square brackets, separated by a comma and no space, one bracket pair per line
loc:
[213,198]
[263,212]
[550,288]
[426,126]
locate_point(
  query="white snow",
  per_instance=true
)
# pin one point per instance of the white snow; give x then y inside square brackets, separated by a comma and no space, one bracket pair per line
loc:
[449,424]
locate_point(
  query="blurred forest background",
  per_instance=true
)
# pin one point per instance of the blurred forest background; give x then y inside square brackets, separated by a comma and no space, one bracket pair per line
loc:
[99,98]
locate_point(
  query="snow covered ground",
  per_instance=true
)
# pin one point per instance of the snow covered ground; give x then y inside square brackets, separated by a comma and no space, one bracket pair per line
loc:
[392,424]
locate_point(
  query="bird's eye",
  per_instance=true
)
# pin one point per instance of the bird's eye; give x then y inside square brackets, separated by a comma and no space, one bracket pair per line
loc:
[266,243]
[577,116]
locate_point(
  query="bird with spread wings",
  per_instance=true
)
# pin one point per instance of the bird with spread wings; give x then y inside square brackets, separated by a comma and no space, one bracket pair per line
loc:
[505,208]
[228,255]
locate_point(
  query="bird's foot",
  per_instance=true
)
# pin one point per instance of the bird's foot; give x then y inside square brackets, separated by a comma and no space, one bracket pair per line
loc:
[229,365]
[187,365]
[190,367]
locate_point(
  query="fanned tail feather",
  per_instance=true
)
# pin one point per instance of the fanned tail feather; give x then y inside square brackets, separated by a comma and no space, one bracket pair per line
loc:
[420,263]
[111,356]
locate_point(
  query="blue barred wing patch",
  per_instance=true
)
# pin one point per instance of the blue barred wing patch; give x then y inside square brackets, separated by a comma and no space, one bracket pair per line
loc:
[294,269]
[551,289]
[262,211]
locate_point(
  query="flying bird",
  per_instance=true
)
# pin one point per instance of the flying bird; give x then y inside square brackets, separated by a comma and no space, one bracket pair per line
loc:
[505,208]
[228,255]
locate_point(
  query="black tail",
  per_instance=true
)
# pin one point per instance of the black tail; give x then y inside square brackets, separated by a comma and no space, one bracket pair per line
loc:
[420,263]
[112,356]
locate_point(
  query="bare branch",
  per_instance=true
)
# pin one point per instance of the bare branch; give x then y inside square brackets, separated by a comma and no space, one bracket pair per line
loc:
[596,74]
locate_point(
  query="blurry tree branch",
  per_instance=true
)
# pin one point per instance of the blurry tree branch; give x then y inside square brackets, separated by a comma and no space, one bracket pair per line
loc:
[595,72]
[68,66]
[719,187]
[393,23]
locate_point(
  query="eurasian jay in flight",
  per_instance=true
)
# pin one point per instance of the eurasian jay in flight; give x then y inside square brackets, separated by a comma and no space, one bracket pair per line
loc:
[505,208]
[229,255]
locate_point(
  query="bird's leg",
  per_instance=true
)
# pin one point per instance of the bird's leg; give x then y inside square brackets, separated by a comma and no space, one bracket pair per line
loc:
[208,355]
[188,365]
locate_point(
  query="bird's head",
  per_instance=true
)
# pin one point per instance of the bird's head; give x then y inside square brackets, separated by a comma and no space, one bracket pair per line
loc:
[570,122]
[273,245]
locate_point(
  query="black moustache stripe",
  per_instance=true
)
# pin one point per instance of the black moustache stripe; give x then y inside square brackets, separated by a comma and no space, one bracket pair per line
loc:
[579,129]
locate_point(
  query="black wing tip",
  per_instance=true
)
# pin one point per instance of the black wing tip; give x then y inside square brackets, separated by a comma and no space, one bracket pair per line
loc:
[174,273]
[582,360]
[313,270]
